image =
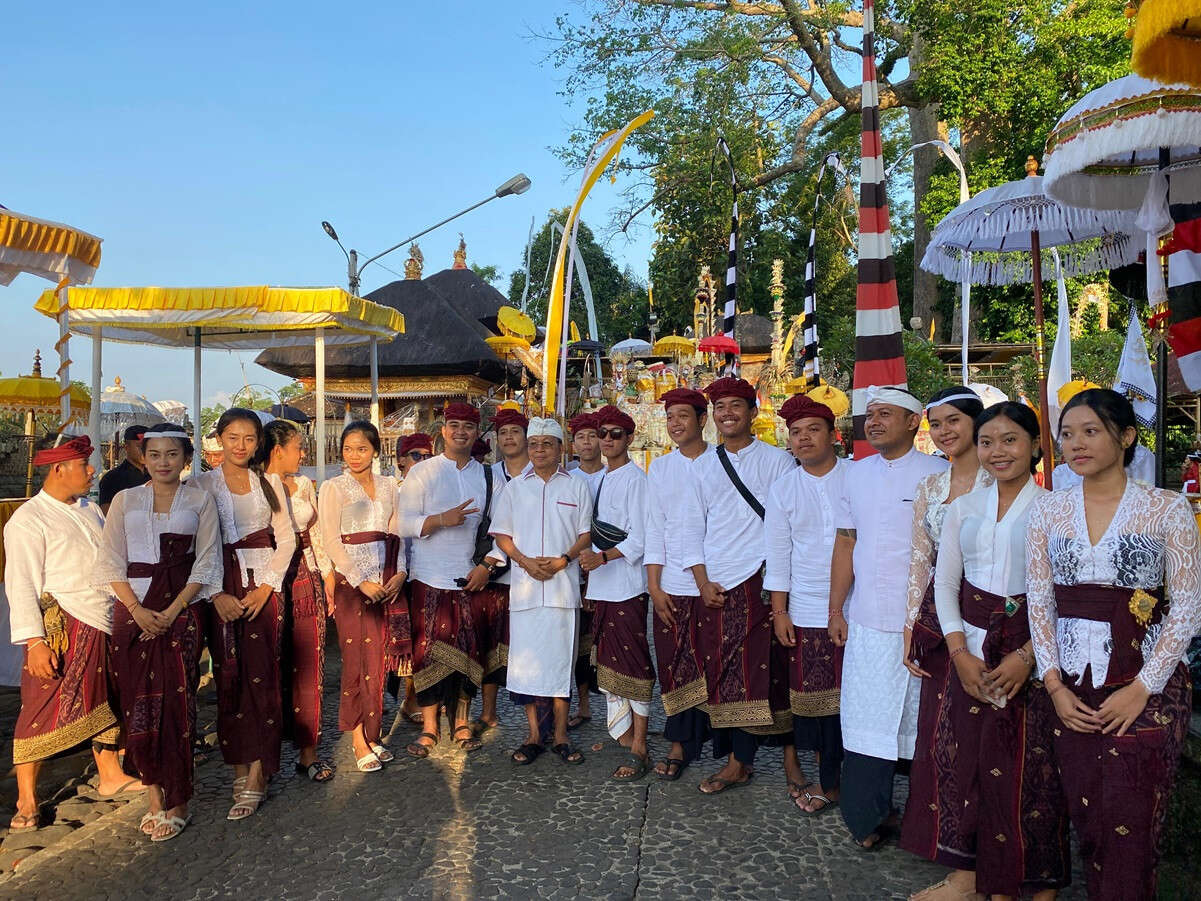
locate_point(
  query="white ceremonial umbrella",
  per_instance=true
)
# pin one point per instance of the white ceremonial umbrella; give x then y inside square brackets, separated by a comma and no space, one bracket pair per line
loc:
[633,346]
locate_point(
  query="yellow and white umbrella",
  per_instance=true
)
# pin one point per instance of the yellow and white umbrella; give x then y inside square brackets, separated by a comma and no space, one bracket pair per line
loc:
[238,318]
[33,394]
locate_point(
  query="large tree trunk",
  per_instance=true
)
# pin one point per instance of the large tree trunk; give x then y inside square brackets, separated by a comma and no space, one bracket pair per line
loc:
[923,126]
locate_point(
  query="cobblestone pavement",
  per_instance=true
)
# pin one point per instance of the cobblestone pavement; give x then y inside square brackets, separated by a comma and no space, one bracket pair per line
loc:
[456,826]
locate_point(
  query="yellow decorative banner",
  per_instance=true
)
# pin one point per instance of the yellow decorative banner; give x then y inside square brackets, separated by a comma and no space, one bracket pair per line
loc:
[603,153]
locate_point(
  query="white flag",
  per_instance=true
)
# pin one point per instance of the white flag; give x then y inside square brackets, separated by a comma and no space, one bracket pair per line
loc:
[1135,378]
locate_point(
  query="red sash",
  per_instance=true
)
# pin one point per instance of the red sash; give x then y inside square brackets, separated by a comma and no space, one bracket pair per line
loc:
[169,576]
[391,549]
[1111,604]
[1006,629]
[232,583]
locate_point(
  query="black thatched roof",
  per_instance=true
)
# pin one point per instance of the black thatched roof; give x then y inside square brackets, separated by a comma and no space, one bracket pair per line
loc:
[753,333]
[470,296]
[437,341]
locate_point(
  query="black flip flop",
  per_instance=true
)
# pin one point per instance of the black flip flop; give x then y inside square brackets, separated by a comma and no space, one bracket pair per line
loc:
[530,751]
[672,775]
[568,754]
[420,751]
[471,743]
[633,762]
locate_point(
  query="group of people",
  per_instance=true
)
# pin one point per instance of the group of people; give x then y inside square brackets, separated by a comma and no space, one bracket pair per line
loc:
[1017,652]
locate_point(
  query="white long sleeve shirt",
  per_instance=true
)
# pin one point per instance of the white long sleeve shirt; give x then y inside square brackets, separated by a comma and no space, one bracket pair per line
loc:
[431,487]
[720,529]
[244,514]
[621,501]
[877,502]
[800,541]
[667,480]
[132,530]
[51,547]
[544,519]
[344,509]
[990,555]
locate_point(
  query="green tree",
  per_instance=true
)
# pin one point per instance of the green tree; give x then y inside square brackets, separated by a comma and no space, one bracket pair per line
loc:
[491,274]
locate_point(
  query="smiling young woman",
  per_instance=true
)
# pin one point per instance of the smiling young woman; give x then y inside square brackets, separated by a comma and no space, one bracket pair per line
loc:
[1114,598]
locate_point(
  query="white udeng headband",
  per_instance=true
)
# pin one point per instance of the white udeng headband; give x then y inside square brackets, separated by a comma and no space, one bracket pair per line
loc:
[174,433]
[962,395]
[888,394]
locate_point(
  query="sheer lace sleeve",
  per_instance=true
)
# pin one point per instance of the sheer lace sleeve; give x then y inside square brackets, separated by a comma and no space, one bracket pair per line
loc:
[112,559]
[921,561]
[1182,588]
[208,569]
[315,535]
[329,518]
[1040,590]
[285,538]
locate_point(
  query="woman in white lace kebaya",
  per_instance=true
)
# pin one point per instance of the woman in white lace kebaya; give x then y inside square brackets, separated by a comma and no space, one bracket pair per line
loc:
[357,518]
[930,825]
[246,622]
[1114,599]
[303,652]
[1012,810]
[161,560]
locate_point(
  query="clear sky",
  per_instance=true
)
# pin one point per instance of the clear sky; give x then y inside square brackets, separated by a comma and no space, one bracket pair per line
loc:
[206,142]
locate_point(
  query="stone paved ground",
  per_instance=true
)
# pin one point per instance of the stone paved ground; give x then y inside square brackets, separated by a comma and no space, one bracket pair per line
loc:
[476,826]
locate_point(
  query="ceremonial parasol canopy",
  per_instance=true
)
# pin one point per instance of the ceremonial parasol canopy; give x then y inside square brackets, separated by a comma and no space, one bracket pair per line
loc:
[49,250]
[506,344]
[833,398]
[288,412]
[516,324]
[584,346]
[1167,41]
[718,344]
[35,394]
[674,345]
[173,410]
[632,346]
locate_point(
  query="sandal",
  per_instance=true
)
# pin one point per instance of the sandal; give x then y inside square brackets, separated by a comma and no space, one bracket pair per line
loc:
[722,784]
[239,785]
[529,753]
[414,717]
[568,754]
[318,771]
[150,819]
[174,825]
[369,763]
[809,798]
[798,788]
[575,721]
[482,726]
[123,792]
[633,762]
[384,755]
[673,769]
[419,749]
[470,743]
[247,801]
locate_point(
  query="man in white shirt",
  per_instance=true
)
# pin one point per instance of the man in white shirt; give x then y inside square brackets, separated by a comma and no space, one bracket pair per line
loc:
[800,540]
[870,563]
[672,588]
[63,623]
[585,444]
[541,522]
[617,585]
[439,506]
[722,542]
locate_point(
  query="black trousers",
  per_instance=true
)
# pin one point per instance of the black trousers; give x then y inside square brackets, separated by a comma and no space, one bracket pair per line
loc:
[822,735]
[866,793]
[739,742]
[447,692]
[691,729]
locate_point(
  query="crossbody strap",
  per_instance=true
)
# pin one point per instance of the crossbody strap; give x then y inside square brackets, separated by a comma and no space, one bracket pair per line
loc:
[487,491]
[738,483]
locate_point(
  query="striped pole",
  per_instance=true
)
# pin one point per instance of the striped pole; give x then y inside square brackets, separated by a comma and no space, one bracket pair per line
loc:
[810,354]
[879,353]
[731,310]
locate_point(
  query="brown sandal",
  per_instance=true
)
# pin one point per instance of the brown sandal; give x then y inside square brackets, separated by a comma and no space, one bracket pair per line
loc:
[419,749]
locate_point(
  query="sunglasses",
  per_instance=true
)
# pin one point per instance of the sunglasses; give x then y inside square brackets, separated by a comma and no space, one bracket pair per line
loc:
[611,433]
[418,456]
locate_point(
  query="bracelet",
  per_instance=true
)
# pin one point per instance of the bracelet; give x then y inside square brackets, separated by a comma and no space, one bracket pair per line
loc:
[834,613]
[779,613]
[1021,652]
[36,642]
[962,649]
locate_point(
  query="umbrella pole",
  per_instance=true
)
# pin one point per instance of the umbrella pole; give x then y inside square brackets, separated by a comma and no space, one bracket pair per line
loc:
[196,435]
[319,389]
[1044,425]
[94,412]
[29,427]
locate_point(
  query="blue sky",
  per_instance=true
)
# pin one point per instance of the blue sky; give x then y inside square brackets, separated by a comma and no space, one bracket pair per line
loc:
[206,143]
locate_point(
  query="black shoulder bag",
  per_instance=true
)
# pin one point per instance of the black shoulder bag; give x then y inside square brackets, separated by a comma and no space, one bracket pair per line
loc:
[605,536]
[483,541]
[738,483]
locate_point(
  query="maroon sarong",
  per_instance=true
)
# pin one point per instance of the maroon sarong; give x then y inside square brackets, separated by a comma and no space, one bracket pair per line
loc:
[157,678]
[246,667]
[816,663]
[362,638]
[623,655]
[738,653]
[304,651]
[446,635]
[490,613]
[59,713]
[681,679]
[1014,808]
[931,827]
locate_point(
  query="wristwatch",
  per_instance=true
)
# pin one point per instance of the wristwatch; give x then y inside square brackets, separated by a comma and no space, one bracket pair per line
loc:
[567,558]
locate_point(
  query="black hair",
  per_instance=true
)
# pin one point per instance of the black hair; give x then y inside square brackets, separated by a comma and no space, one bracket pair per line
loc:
[1114,411]
[185,443]
[276,433]
[970,406]
[1020,415]
[241,414]
[370,432]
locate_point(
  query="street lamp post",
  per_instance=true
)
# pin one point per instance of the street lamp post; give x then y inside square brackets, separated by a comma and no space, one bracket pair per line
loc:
[518,184]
